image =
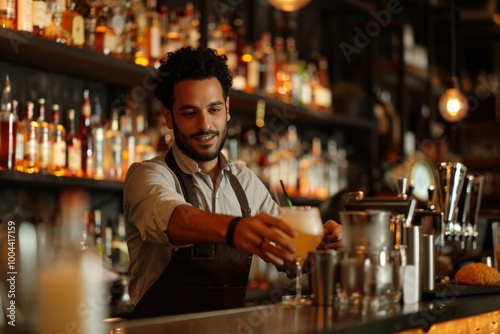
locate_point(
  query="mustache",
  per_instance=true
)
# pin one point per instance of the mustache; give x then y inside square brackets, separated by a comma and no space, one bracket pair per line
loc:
[205,133]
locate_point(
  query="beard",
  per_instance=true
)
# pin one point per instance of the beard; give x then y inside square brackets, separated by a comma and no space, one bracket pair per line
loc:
[184,143]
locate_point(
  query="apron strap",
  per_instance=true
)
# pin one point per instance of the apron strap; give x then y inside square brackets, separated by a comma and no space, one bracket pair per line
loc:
[185,180]
[188,189]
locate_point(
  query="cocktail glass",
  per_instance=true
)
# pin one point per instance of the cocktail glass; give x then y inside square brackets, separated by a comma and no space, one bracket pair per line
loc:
[306,220]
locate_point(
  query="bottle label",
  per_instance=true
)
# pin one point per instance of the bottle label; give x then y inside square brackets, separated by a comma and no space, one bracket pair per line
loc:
[78,31]
[74,157]
[45,152]
[59,153]
[30,151]
[19,146]
[25,15]
[39,13]
[155,39]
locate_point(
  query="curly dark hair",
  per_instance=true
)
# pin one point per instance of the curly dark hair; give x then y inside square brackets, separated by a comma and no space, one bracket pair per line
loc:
[190,63]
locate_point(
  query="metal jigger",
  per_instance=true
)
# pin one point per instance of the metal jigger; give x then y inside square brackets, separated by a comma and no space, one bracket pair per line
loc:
[450,179]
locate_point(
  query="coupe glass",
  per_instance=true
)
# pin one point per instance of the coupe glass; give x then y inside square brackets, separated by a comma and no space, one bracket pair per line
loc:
[306,220]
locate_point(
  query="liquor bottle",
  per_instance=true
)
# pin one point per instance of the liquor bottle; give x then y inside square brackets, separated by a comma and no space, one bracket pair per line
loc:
[84,135]
[58,140]
[191,27]
[270,61]
[6,101]
[171,34]
[153,33]
[24,15]
[8,129]
[30,160]
[7,14]
[73,144]
[55,31]
[141,56]
[92,233]
[114,143]
[101,29]
[98,136]
[44,143]
[90,24]
[40,10]
[332,168]
[119,247]
[96,119]
[130,35]
[129,149]
[143,149]
[19,154]
[322,94]
[239,81]
[317,170]
[114,39]
[252,70]
[283,78]
[74,23]
[164,30]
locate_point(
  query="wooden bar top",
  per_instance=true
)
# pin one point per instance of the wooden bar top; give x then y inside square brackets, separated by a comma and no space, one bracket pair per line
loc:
[278,318]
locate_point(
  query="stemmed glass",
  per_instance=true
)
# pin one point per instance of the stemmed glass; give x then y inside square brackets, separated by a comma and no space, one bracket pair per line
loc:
[306,220]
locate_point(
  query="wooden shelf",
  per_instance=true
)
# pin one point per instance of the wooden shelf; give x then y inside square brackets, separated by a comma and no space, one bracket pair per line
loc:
[44,181]
[284,113]
[25,49]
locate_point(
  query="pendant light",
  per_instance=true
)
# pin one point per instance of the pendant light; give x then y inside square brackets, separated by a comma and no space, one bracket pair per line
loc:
[288,5]
[453,104]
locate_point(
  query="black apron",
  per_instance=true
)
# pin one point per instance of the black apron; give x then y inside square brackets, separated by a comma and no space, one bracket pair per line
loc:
[203,277]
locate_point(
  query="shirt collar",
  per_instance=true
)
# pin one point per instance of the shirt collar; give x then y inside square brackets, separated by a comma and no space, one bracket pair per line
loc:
[188,165]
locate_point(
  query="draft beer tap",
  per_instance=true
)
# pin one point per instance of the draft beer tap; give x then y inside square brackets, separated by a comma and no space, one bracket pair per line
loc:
[450,180]
[468,209]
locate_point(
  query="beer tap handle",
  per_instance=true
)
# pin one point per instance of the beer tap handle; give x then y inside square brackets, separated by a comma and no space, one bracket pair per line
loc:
[430,194]
[411,188]
[402,181]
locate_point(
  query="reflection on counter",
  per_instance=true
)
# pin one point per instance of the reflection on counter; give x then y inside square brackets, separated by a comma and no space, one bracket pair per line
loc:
[482,323]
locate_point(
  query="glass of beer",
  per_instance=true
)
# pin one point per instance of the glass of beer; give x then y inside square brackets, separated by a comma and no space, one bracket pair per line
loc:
[306,220]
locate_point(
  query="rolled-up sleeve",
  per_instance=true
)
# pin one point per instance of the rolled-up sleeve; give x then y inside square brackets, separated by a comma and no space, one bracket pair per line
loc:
[150,195]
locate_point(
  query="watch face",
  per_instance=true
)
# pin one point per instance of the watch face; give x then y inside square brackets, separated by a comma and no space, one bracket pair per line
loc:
[422,177]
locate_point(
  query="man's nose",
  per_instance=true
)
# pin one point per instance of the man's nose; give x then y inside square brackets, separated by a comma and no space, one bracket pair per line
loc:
[203,121]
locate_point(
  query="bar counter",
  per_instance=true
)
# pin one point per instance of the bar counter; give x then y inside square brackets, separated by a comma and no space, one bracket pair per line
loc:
[446,314]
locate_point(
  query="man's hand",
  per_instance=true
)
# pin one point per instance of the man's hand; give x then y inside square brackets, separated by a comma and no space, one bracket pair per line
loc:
[267,237]
[333,236]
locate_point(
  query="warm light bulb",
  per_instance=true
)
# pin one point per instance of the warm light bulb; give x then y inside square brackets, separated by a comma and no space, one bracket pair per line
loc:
[453,105]
[289,5]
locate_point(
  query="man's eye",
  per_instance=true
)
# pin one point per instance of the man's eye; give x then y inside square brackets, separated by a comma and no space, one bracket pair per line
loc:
[215,110]
[188,114]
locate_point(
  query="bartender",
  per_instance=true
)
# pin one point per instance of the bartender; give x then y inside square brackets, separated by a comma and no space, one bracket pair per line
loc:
[194,218]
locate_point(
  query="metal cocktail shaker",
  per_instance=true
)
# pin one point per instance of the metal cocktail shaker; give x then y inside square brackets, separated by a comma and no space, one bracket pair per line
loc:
[324,276]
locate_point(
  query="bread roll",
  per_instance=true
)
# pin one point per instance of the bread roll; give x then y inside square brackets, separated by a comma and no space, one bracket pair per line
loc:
[478,274]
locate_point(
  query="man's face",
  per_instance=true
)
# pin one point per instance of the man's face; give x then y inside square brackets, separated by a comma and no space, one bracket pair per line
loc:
[199,118]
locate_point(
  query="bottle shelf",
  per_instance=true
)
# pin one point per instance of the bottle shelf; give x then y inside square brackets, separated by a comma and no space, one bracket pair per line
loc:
[22,48]
[33,51]
[45,181]
[284,113]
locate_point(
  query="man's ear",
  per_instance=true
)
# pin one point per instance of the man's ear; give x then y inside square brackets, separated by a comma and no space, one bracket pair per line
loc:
[167,114]
[228,116]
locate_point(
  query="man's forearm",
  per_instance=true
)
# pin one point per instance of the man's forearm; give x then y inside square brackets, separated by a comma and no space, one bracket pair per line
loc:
[191,225]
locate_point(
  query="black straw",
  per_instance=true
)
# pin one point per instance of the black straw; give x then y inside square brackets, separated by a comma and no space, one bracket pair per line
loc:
[286,195]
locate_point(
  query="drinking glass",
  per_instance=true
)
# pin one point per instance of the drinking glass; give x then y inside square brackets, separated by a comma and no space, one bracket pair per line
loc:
[306,220]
